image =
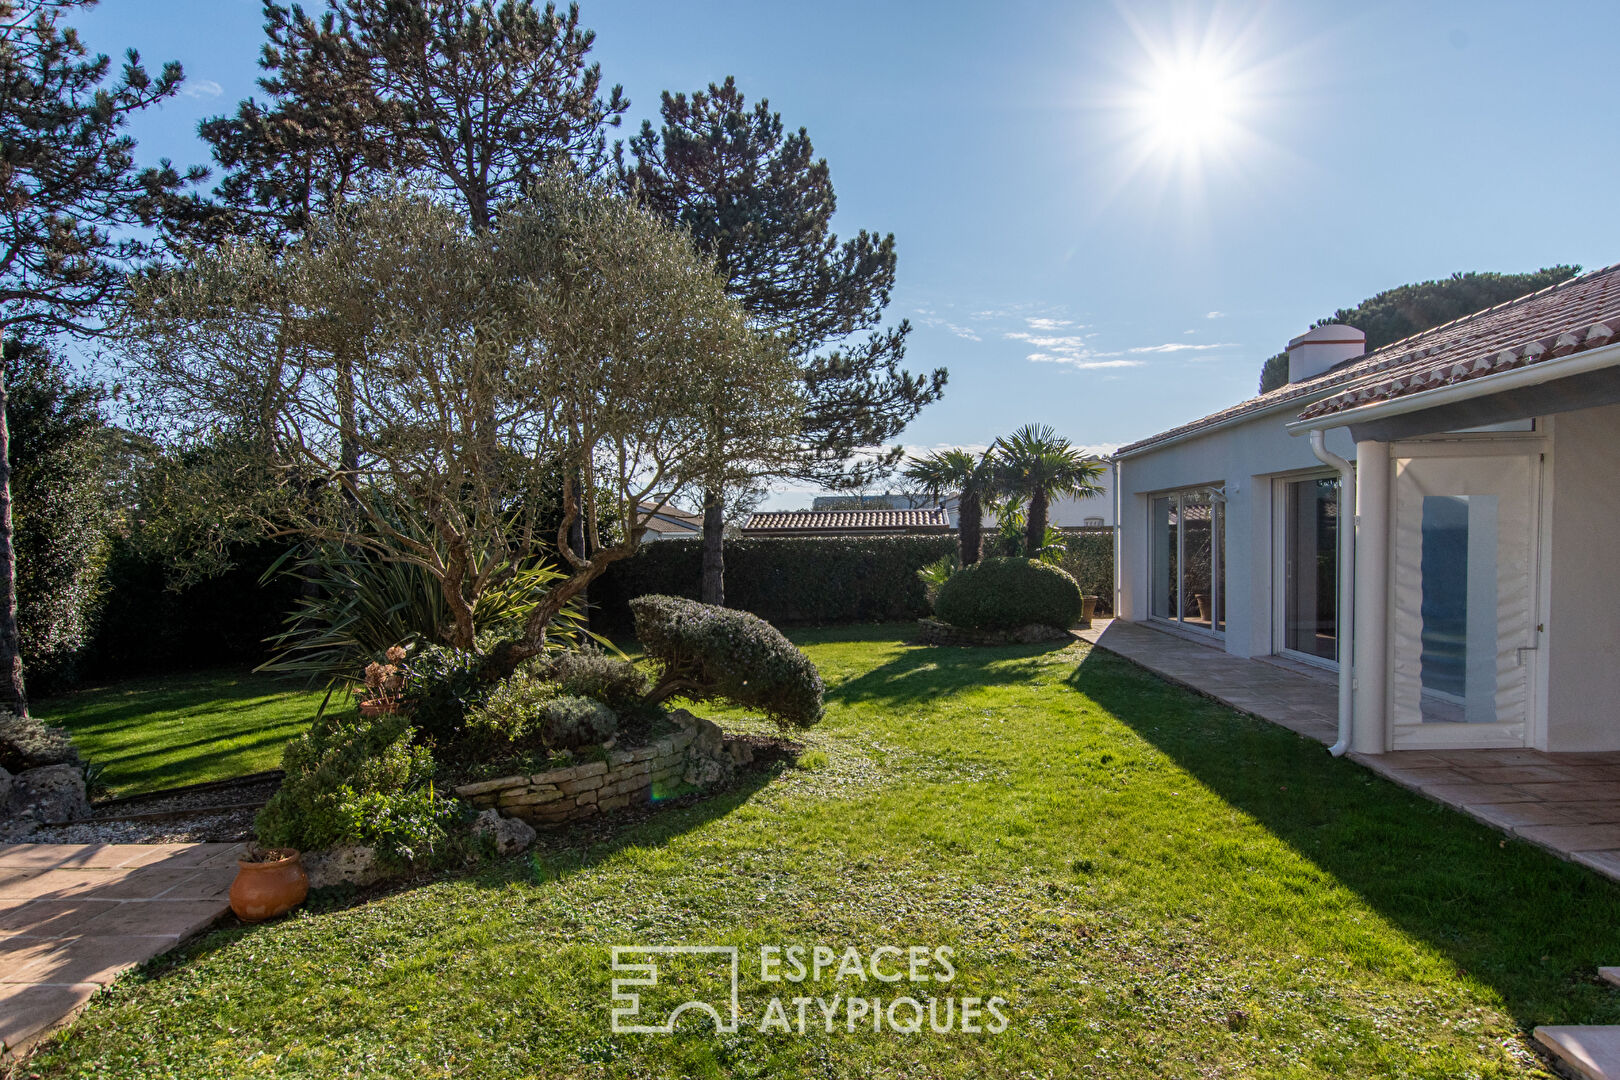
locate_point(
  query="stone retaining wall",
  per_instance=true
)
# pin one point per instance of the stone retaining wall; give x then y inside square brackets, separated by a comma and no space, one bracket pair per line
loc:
[697,756]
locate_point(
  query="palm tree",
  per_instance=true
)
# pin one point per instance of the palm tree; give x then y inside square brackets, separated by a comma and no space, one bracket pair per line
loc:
[971,477]
[1035,464]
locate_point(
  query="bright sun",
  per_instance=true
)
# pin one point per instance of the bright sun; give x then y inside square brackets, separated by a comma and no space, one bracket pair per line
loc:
[1189,106]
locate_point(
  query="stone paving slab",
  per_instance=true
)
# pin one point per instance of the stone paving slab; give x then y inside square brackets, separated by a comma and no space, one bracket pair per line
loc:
[1566,803]
[73,916]
[1592,1051]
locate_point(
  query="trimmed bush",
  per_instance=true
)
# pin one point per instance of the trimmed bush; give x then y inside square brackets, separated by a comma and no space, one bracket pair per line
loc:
[1004,594]
[712,653]
[527,712]
[352,781]
[790,581]
[589,672]
[567,723]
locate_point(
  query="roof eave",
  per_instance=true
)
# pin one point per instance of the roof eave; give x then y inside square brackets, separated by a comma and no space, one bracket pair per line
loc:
[1292,404]
[1530,375]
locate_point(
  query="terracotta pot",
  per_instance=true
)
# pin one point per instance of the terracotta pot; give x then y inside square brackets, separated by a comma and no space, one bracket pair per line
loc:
[263,890]
[1088,607]
[1202,600]
[370,710]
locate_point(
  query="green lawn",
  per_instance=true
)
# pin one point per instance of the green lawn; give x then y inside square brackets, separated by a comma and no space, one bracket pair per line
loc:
[169,730]
[1158,887]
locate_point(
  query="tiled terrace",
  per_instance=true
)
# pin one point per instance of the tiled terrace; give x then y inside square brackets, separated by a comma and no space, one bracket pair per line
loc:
[72,916]
[1566,803]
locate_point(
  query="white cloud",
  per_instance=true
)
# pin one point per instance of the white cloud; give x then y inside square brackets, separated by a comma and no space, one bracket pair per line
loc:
[1082,363]
[1216,315]
[1047,324]
[1180,346]
[201,88]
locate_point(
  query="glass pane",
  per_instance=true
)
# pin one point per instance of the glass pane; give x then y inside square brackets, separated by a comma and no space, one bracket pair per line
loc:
[1164,525]
[1198,553]
[1311,618]
[1459,609]
[1220,565]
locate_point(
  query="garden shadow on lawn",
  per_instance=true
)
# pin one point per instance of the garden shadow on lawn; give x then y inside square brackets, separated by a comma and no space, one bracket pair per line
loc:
[922,674]
[1527,924]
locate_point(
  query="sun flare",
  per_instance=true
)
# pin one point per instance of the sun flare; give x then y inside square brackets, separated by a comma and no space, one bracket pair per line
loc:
[1189,106]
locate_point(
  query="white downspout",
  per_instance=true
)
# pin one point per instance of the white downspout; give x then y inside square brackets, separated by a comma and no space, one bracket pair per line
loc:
[1347,584]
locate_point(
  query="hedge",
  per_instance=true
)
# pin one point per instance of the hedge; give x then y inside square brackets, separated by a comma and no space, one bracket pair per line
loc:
[787,581]
[1090,561]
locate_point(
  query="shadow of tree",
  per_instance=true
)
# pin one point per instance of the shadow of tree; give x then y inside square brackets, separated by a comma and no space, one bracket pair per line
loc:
[1512,916]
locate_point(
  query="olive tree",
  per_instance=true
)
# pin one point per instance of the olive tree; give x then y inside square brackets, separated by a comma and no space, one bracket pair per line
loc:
[580,337]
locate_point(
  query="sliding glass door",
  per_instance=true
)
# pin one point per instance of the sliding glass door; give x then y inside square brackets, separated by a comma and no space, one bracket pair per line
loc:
[1187,532]
[1311,568]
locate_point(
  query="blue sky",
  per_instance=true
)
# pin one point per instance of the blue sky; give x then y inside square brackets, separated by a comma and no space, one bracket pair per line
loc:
[1108,215]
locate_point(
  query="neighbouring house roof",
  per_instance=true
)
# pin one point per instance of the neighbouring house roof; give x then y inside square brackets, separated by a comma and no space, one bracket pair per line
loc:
[671,522]
[1572,316]
[835,522]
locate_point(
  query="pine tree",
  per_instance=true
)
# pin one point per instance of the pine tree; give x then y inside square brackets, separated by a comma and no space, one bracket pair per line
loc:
[757,199]
[70,190]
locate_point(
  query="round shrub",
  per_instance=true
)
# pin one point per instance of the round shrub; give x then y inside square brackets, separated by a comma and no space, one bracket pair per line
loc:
[567,723]
[1004,594]
[589,672]
[709,653]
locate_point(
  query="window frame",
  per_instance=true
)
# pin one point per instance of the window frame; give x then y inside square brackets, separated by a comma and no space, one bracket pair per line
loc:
[1215,493]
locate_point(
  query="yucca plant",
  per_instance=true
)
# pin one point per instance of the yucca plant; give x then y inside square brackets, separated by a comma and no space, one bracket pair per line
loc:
[356,606]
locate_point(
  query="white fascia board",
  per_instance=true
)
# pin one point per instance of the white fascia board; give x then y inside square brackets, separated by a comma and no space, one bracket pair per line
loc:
[1517,378]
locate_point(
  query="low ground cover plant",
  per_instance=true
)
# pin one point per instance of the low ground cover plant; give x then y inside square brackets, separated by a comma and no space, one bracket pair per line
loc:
[1008,593]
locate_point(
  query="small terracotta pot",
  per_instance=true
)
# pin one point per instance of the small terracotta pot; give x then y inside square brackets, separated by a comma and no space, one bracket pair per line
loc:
[370,710]
[1088,607]
[263,890]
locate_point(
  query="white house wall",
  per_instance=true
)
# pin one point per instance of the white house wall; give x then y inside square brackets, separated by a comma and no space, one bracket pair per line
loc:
[1583,612]
[1244,458]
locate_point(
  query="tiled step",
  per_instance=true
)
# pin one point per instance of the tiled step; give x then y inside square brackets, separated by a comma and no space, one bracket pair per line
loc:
[1590,1050]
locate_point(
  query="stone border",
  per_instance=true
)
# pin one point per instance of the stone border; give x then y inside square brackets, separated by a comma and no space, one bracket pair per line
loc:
[936,632]
[697,756]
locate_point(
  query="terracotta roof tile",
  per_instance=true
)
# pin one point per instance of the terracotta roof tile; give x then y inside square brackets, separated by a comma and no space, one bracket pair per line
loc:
[1572,316]
[934,519]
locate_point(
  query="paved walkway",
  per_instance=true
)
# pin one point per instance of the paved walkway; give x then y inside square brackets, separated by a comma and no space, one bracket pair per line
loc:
[72,916]
[1566,803]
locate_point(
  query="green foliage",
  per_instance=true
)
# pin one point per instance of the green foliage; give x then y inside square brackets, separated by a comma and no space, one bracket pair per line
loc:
[971,478]
[1035,465]
[1400,312]
[442,687]
[787,581]
[589,672]
[1088,557]
[1006,593]
[353,781]
[938,573]
[1012,534]
[28,743]
[753,195]
[356,606]
[568,723]
[60,507]
[527,712]
[710,653]
[509,714]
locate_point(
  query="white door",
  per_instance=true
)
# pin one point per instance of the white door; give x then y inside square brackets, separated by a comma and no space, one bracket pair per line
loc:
[1464,632]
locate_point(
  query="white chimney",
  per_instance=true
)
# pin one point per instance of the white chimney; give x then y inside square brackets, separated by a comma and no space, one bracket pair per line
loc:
[1314,351]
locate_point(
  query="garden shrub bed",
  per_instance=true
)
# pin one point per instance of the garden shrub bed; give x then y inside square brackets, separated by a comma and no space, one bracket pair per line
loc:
[698,755]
